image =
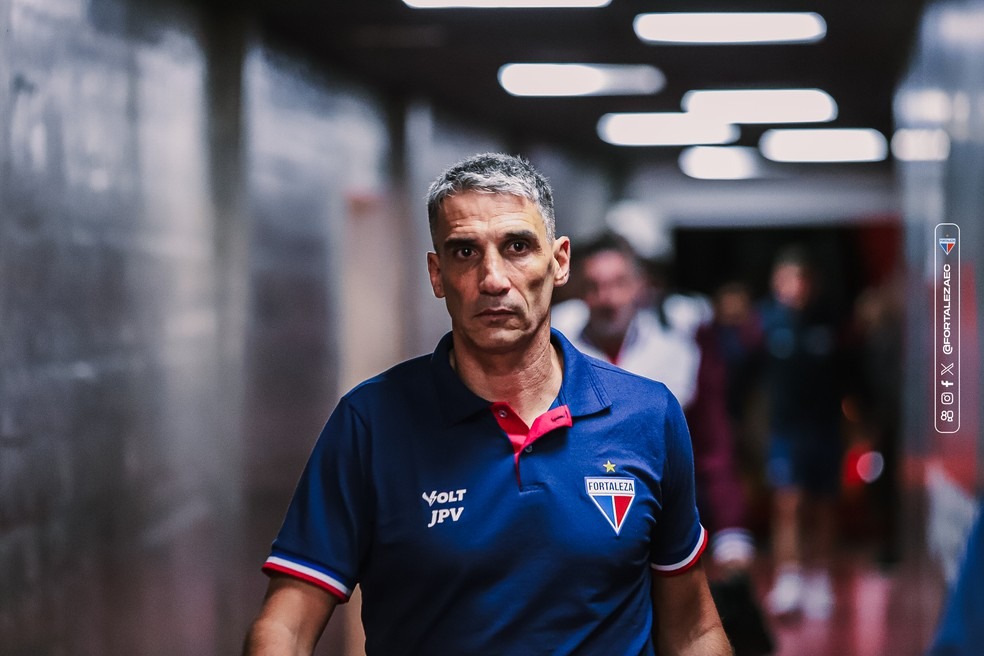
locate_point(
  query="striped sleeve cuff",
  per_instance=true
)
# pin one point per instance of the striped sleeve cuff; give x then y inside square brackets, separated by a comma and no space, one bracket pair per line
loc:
[306,572]
[688,562]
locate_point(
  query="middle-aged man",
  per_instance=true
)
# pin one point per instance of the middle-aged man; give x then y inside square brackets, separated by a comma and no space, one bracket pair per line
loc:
[506,494]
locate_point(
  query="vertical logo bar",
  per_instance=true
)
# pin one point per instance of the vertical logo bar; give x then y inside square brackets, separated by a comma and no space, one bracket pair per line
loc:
[946,333]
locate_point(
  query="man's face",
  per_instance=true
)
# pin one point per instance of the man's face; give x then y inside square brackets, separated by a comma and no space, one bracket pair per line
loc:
[495,268]
[791,285]
[613,291]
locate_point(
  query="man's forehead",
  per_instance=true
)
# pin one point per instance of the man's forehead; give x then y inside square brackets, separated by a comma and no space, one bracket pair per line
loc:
[471,209]
[476,197]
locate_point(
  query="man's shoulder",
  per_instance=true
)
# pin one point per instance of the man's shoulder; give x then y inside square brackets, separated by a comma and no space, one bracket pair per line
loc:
[402,377]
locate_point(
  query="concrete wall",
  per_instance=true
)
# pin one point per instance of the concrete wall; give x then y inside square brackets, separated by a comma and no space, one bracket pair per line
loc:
[204,240]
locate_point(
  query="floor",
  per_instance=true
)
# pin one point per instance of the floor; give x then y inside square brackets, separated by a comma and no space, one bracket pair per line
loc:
[879,611]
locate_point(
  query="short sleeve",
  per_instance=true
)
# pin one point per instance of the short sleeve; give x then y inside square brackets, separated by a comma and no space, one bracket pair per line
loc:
[325,529]
[679,537]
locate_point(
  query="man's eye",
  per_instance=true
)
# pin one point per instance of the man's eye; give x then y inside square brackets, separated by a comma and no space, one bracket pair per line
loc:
[518,246]
[465,251]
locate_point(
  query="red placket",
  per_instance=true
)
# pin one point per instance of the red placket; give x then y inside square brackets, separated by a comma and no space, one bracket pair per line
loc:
[522,436]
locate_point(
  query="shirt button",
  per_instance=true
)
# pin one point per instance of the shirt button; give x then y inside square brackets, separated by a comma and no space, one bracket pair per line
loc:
[503,413]
[529,449]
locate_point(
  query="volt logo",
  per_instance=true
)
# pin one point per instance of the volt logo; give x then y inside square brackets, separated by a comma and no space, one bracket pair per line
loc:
[440,515]
[612,496]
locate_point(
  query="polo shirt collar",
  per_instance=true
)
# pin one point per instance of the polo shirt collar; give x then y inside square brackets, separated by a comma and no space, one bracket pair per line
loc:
[456,401]
[580,390]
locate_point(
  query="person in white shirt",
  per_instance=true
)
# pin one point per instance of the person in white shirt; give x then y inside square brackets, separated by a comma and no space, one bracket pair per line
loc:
[615,319]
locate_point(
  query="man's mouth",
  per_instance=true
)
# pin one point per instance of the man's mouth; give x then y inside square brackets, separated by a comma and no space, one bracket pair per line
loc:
[496,312]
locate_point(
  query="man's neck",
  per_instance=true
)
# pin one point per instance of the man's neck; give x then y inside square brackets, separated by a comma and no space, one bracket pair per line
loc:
[528,379]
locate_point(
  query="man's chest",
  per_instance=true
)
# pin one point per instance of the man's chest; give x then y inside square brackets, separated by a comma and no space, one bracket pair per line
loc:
[450,505]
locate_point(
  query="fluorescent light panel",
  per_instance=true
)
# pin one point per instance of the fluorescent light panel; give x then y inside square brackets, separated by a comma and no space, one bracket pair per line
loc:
[504,4]
[833,145]
[734,28]
[664,129]
[763,105]
[962,25]
[721,162]
[580,79]
[927,105]
[921,145]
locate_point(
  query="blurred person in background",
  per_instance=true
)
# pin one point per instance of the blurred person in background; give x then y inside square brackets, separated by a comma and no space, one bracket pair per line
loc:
[804,450]
[737,332]
[876,393]
[620,318]
[506,494]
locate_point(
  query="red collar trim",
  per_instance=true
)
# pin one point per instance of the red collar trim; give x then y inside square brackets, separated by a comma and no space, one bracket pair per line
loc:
[522,435]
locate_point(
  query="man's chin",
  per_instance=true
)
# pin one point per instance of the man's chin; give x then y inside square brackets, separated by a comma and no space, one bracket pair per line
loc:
[498,339]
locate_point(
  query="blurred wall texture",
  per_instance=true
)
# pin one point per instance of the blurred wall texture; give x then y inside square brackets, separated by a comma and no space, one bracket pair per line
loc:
[203,239]
[938,104]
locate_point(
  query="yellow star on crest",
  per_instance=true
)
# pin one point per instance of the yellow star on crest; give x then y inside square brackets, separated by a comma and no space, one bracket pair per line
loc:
[609,467]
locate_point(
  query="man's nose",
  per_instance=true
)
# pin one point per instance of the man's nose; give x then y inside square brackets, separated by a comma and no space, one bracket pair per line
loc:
[493,279]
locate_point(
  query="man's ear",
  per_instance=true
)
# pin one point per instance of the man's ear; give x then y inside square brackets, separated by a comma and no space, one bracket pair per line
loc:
[434,271]
[562,260]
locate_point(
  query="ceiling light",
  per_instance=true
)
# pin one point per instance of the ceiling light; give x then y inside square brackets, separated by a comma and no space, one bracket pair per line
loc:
[843,145]
[962,26]
[664,129]
[721,162]
[763,105]
[925,105]
[580,79]
[503,4]
[915,145]
[718,28]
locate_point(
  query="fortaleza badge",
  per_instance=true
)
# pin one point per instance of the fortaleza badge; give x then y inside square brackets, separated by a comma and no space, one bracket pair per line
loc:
[947,244]
[613,496]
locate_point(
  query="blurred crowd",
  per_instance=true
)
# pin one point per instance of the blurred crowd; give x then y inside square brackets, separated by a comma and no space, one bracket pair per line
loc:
[792,404]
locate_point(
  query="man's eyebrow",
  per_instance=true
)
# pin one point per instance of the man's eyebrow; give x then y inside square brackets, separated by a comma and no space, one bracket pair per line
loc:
[520,234]
[452,243]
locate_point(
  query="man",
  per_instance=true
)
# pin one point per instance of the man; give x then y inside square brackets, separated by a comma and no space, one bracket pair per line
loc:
[505,495]
[615,319]
[805,450]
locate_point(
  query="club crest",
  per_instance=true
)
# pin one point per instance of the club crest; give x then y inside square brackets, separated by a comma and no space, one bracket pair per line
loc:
[613,497]
[947,244]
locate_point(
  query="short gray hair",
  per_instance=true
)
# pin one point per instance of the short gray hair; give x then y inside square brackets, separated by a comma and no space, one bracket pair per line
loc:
[493,173]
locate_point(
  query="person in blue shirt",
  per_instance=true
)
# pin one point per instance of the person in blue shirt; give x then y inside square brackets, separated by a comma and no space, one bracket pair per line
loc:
[505,494]
[960,631]
[803,377]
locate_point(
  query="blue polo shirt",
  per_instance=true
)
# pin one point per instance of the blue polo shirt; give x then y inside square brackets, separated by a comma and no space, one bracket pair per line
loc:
[469,537]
